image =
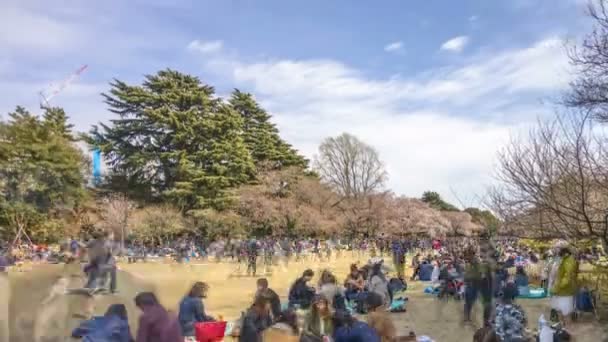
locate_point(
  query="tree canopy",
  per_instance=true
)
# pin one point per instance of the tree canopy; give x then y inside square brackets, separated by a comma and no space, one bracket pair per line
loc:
[41,172]
[436,201]
[174,139]
[350,166]
[262,136]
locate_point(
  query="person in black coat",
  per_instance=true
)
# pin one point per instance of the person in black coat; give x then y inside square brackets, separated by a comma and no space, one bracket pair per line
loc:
[300,293]
[273,297]
[256,320]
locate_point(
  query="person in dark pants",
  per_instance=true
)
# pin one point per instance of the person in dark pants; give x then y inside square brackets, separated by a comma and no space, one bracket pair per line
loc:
[252,257]
[478,281]
[109,268]
[399,258]
[98,254]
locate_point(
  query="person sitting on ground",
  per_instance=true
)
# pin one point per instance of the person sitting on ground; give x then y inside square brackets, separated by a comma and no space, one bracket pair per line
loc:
[522,282]
[256,320]
[112,326]
[425,271]
[192,310]
[301,293]
[273,297]
[285,328]
[378,318]
[328,287]
[485,334]
[155,323]
[510,321]
[318,322]
[348,329]
[354,282]
[378,283]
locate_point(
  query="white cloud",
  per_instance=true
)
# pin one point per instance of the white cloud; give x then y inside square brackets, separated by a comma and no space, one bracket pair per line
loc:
[24,30]
[208,47]
[395,46]
[473,18]
[456,44]
[435,130]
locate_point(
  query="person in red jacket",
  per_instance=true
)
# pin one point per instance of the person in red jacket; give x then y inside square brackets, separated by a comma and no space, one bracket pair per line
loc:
[155,323]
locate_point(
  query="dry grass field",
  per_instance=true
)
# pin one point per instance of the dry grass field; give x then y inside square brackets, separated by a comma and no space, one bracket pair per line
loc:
[36,316]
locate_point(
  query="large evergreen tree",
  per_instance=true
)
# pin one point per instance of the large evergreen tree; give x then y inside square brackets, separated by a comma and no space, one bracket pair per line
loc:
[41,172]
[174,138]
[436,201]
[56,120]
[262,136]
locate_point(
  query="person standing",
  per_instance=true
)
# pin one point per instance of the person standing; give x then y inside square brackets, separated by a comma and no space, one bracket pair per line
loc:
[252,257]
[98,255]
[399,258]
[564,288]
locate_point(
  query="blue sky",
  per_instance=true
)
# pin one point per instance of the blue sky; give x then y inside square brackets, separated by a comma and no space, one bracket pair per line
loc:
[436,86]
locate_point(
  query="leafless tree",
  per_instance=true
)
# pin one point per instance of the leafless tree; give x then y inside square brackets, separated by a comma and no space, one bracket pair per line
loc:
[590,88]
[460,223]
[555,181]
[350,166]
[116,211]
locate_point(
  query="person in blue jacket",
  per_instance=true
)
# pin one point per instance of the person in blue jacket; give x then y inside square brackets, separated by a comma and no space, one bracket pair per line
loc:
[348,329]
[192,310]
[112,326]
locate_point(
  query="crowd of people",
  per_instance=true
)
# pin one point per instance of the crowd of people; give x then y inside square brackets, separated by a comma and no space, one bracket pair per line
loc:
[490,271]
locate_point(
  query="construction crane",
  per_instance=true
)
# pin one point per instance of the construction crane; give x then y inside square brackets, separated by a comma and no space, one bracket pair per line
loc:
[46,95]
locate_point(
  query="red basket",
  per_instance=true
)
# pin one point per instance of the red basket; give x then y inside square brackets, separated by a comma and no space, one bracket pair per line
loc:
[209,331]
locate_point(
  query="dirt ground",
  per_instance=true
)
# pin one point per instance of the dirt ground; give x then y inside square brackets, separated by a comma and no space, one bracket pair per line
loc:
[35,315]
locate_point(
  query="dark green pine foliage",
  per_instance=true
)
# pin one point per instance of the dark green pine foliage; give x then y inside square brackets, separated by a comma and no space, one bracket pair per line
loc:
[56,119]
[173,139]
[262,136]
[40,169]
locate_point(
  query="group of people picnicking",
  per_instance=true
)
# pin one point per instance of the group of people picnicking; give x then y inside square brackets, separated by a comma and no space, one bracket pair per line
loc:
[462,268]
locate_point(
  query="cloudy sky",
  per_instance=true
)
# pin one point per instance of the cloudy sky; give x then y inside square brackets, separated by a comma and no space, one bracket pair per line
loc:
[436,86]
